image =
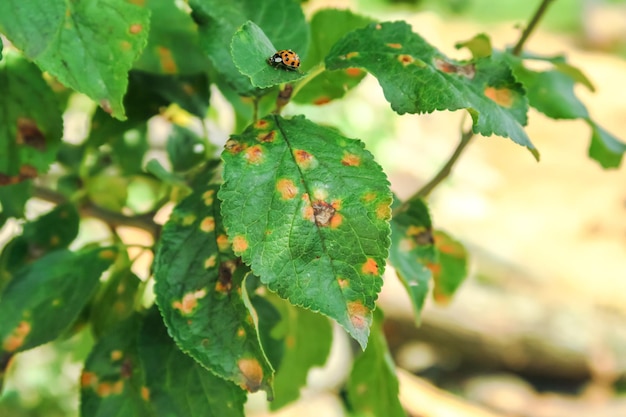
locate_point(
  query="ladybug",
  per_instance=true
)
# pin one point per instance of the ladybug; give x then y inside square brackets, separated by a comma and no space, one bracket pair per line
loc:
[286,59]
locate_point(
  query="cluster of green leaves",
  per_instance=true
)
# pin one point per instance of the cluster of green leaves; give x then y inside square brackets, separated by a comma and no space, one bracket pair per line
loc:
[291,227]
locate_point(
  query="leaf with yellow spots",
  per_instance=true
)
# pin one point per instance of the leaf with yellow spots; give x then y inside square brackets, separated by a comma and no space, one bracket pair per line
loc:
[412,250]
[451,267]
[112,378]
[89,47]
[373,385]
[198,290]
[417,78]
[46,296]
[327,27]
[177,384]
[314,228]
[31,126]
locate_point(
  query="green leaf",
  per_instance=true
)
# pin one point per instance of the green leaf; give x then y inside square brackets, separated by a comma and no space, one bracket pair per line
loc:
[413,250]
[451,268]
[327,27]
[13,198]
[219,20]
[479,46]
[191,92]
[112,382]
[47,295]
[155,168]
[87,46]
[1,48]
[30,120]
[417,78]
[251,49]
[308,210]
[53,230]
[198,282]
[605,148]
[178,385]
[373,385]
[108,192]
[184,149]
[307,337]
[173,46]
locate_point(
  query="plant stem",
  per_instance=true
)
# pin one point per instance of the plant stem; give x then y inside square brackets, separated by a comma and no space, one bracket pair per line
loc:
[541,10]
[111,218]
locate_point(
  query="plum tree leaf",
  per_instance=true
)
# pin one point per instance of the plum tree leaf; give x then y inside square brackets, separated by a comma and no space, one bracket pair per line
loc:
[198,290]
[250,49]
[219,20]
[30,121]
[417,78]
[373,384]
[308,210]
[451,267]
[178,385]
[88,46]
[46,296]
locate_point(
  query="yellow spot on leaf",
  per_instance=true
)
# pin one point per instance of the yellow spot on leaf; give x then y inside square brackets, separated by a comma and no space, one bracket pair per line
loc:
[370,267]
[16,338]
[336,221]
[188,219]
[320,101]
[104,389]
[88,379]
[167,60]
[369,197]
[189,302]
[222,243]
[261,124]
[304,159]
[501,96]
[266,137]
[378,26]
[208,197]
[405,59]
[116,355]
[145,393]
[240,244]
[353,72]
[241,332]
[286,188]
[107,254]
[351,55]
[210,262]
[394,45]
[54,240]
[252,374]
[208,224]
[351,160]
[254,154]
[383,211]
[135,28]
[126,46]
[359,315]
[343,283]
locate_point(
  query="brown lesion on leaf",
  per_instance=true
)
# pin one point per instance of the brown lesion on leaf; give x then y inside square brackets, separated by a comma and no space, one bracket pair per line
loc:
[370,267]
[261,124]
[359,315]
[304,159]
[383,211]
[88,379]
[466,70]
[15,339]
[222,243]
[325,214]
[394,45]
[287,188]
[210,262]
[207,224]
[350,160]
[189,302]
[240,244]
[251,374]
[266,137]
[421,235]
[320,101]
[254,154]
[225,276]
[233,146]
[502,96]
[105,389]
[208,197]
[107,254]
[405,59]
[166,59]
[343,283]
[26,172]
[28,134]
[354,72]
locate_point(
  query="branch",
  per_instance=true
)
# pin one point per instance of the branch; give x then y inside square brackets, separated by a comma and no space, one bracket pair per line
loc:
[541,10]
[111,218]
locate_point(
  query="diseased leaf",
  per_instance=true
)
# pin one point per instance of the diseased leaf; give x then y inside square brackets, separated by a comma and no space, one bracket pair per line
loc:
[417,78]
[605,148]
[30,120]
[327,27]
[198,290]
[47,295]
[451,268]
[479,46]
[307,337]
[112,382]
[88,46]
[373,385]
[219,20]
[412,250]
[308,210]
[251,49]
[173,46]
[178,385]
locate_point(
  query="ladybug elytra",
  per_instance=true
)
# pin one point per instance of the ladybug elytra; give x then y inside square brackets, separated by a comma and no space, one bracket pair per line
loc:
[286,59]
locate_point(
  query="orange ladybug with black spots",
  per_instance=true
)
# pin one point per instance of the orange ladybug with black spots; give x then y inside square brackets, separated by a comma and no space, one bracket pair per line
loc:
[285,59]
